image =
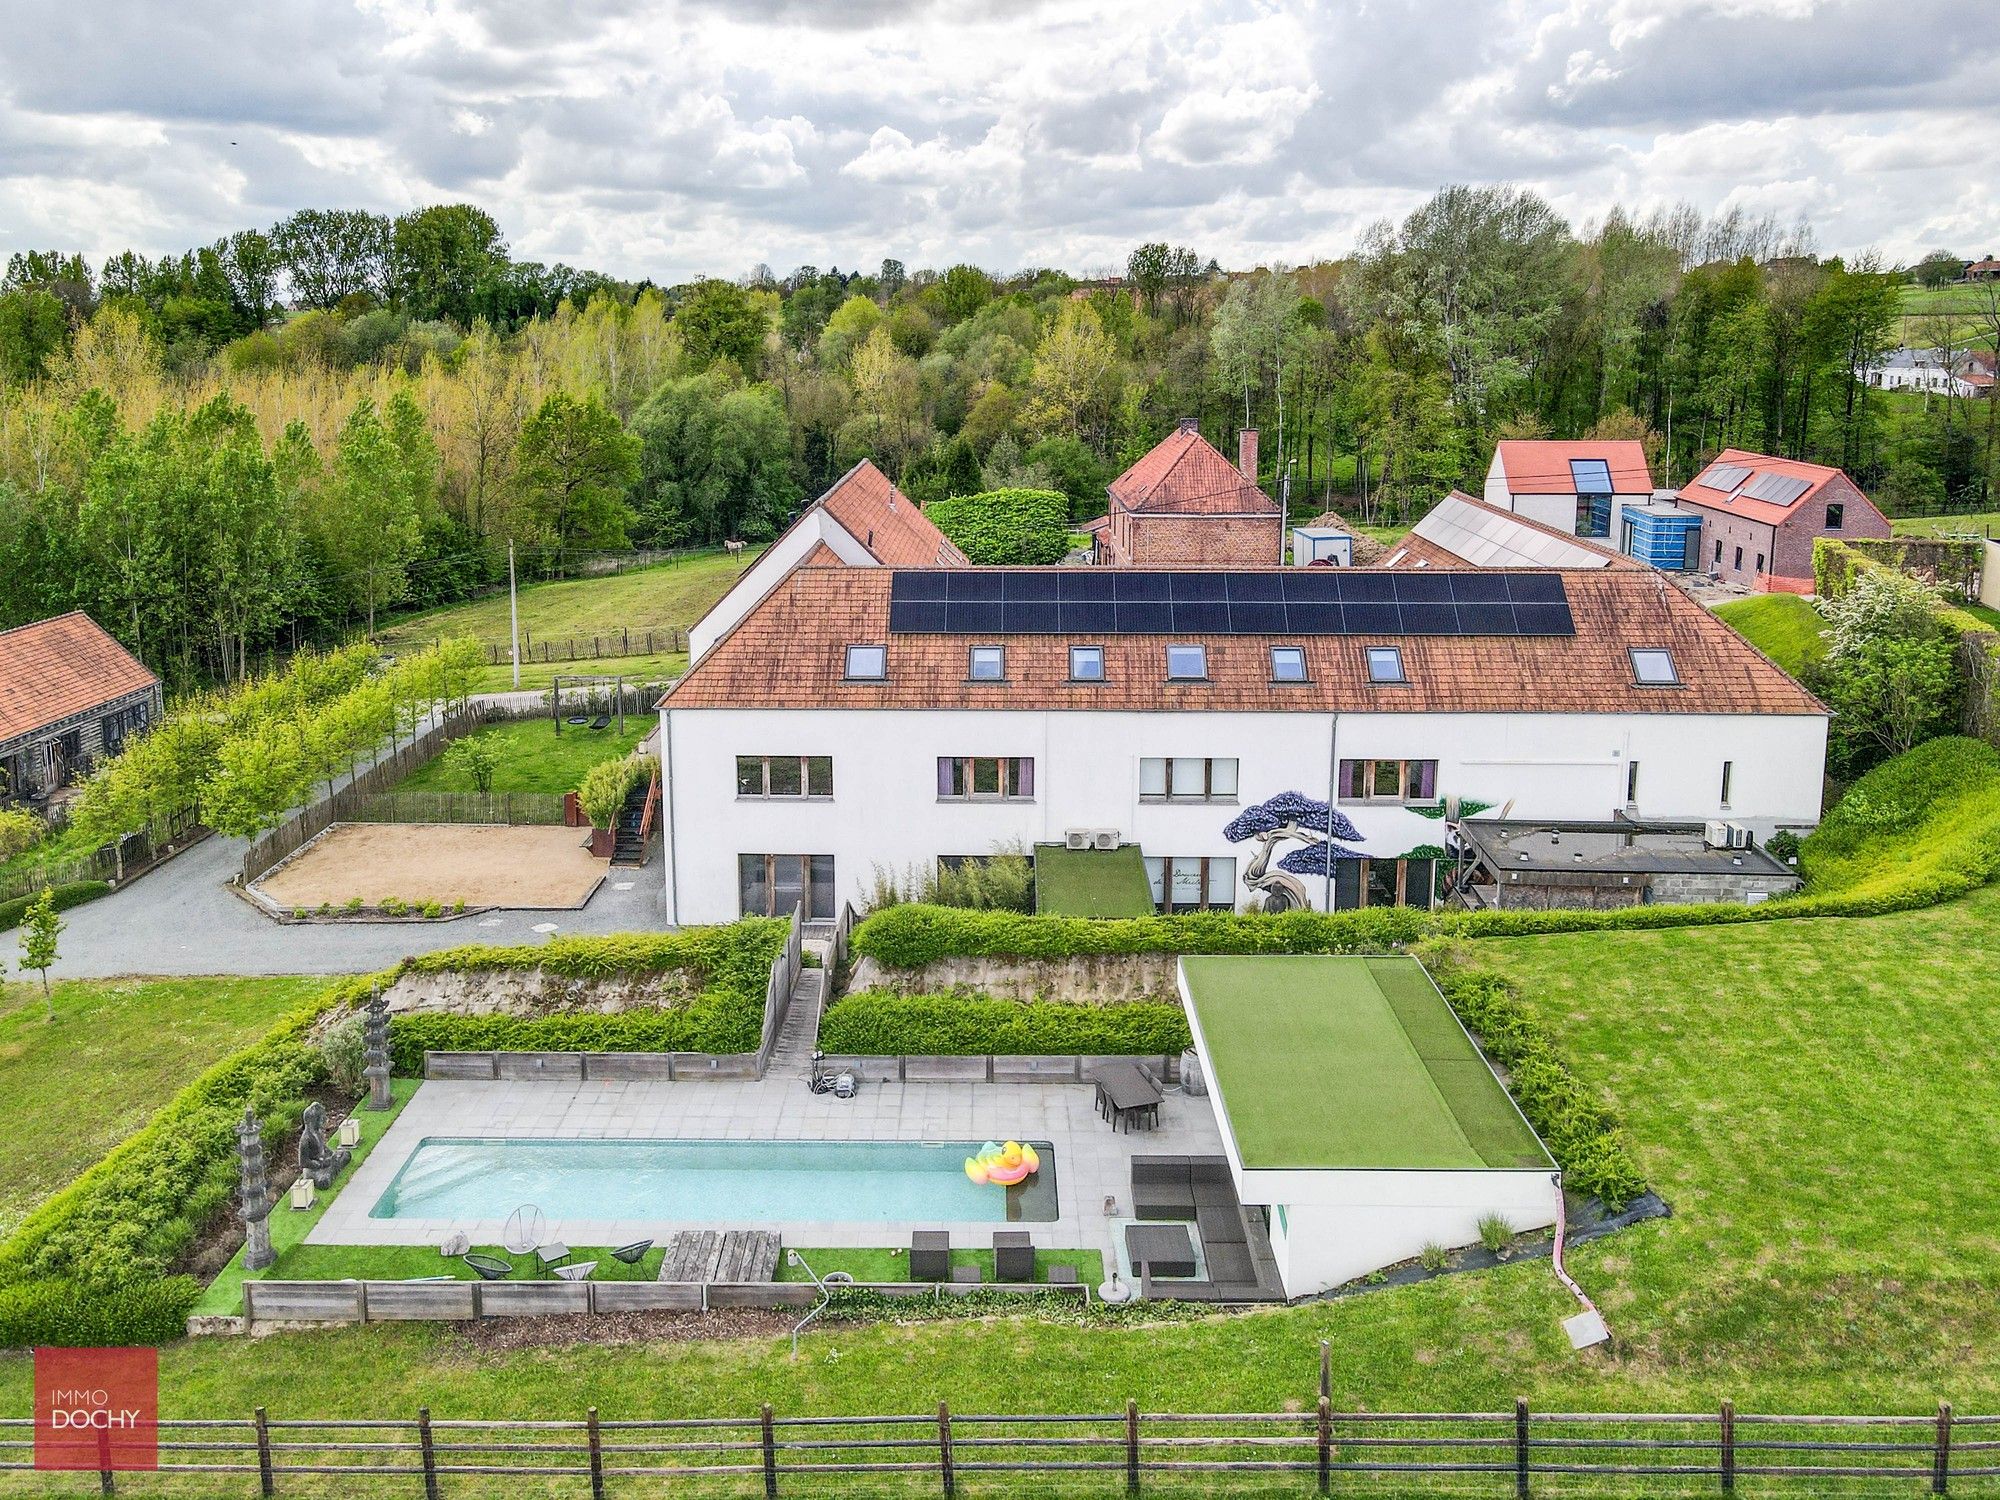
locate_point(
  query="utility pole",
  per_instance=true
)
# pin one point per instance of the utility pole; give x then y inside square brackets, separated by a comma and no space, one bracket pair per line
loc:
[513,617]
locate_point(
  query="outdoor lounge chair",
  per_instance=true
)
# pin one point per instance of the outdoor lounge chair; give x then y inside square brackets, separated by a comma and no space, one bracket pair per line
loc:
[489,1267]
[576,1270]
[1161,1188]
[930,1255]
[602,721]
[1013,1255]
[633,1253]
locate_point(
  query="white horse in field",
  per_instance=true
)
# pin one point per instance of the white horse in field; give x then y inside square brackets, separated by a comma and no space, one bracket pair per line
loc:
[732,547]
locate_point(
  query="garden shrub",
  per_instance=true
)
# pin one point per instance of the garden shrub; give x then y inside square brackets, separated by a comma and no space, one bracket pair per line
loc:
[344,1051]
[1573,1121]
[66,1314]
[20,831]
[877,1023]
[1003,528]
[74,894]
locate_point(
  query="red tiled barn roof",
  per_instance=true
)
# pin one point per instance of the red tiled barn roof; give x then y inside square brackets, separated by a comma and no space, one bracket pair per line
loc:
[55,668]
[887,522]
[1535,467]
[1185,474]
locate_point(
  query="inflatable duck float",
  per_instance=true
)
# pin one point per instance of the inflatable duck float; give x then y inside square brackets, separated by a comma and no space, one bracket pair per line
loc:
[1003,1165]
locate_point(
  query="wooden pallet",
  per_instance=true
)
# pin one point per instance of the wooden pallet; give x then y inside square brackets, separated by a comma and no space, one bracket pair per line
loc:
[721,1255]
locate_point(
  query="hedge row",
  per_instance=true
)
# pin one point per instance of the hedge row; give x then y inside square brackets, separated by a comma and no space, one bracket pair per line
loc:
[1572,1120]
[716,1021]
[74,894]
[68,1314]
[877,1023]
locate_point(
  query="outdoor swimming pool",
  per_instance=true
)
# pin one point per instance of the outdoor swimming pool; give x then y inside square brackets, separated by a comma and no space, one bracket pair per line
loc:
[708,1182]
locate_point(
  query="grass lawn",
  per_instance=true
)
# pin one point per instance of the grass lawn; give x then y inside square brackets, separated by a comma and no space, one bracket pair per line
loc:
[117,1051]
[671,595]
[1091,882]
[533,757]
[1783,626]
[1818,1100]
[894,1265]
[655,670]
[1350,1062]
[1977,523]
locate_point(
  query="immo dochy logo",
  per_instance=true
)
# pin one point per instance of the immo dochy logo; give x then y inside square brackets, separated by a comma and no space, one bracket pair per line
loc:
[97,1409]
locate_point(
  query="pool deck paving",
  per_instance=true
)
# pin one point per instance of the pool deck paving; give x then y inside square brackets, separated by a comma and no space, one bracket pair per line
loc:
[1091,1162]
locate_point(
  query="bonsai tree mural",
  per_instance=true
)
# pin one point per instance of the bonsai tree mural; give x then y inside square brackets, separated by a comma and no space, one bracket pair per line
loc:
[1290,817]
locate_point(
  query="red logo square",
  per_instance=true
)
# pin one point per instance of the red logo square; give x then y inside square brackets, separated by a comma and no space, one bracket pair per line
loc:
[97,1409]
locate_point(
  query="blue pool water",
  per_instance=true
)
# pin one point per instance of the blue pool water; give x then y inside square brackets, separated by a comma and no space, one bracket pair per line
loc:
[696,1182]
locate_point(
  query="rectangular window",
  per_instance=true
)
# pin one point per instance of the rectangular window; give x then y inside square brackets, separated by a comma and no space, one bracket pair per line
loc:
[1739,559]
[1718,552]
[784,776]
[1632,783]
[770,885]
[1288,664]
[1187,663]
[985,778]
[1192,882]
[1654,667]
[1836,513]
[987,664]
[1592,476]
[1383,882]
[1760,562]
[1385,664]
[867,663]
[1187,778]
[1387,781]
[1728,771]
[1086,664]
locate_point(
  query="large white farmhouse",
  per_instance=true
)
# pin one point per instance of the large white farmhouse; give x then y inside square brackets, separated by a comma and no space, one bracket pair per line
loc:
[856,717]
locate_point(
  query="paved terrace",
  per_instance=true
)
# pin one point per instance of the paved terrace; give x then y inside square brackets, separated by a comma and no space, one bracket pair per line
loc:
[1092,1163]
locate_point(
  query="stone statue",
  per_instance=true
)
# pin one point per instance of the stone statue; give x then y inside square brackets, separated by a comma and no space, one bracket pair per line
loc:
[254,1194]
[317,1160]
[375,1043]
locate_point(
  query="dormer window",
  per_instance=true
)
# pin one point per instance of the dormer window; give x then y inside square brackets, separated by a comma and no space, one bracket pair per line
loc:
[1653,666]
[987,664]
[1187,663]
[1086,664]
[867,663]
[1385,664]
[1288,664]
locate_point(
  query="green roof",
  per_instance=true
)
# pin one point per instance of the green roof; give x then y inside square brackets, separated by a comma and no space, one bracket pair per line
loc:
[1327,1062]
[1091,882]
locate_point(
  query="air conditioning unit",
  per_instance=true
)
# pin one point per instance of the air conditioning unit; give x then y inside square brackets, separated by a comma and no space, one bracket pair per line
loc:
[1076,838]
[1739,836]
[1716,834]
[1104,838]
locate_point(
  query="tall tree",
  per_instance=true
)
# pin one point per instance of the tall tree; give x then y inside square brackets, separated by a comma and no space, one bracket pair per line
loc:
[332,254]
[576,462]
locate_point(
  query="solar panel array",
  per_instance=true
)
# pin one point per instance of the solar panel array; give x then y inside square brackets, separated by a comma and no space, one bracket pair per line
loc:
[1087,602]
[1725,476]
[1779,489]
[1492,539]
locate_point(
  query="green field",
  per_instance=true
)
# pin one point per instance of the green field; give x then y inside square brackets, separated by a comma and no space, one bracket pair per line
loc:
[533,757]
[117,1050]
[1091,882]
[1974,523]
[1968,307]
[1350,1062]
[1784,627]
[668,596]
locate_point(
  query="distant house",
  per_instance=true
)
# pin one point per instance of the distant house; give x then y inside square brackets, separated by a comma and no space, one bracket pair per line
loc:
[1185,505]
[1931,371]
[863,521]
[69,696]
[1460,531]
[1983,270]
[1573,487]
[1761,515]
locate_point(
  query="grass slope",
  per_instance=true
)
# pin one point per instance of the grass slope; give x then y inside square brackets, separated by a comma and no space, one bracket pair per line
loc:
[1816,1099]
[1978,523]
[533,757]
[118,1049]
[1783,626]
[1091,882]
[672,595]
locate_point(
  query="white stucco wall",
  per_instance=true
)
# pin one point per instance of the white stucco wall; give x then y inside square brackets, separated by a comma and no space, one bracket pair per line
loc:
[885,809]
[769,570]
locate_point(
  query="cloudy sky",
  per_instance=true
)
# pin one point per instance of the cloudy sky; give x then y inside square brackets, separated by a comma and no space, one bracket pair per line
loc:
[668,138]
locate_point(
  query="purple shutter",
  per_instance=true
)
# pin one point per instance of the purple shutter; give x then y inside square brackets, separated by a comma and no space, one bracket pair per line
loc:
[1027,764]
[944,775]
[1350,778]
[1427,780]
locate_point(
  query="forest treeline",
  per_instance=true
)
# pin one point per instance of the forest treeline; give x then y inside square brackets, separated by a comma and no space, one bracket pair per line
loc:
[283,436]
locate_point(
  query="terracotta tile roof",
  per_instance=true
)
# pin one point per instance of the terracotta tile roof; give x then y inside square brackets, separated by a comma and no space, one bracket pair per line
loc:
[1537,467]
[1186,474]
[790,653]
[55,668]
[887,522]
[1733,502]
[1504,539]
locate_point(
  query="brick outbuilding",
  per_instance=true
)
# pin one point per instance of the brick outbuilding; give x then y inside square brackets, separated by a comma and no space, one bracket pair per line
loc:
[1761,515]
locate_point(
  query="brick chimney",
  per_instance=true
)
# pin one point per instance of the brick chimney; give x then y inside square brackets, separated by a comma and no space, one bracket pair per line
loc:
[1246,453]
[1188,424]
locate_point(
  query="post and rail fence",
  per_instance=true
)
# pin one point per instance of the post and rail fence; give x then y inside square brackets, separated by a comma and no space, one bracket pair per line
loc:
[1128,1449]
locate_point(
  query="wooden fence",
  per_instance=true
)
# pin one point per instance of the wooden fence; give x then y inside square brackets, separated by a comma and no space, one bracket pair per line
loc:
[454,807]
[1111,1450]
[128,857]
[785,970]
[628,640]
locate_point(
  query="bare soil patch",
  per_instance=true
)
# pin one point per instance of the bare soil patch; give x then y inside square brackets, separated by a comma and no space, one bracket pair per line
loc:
[479,864]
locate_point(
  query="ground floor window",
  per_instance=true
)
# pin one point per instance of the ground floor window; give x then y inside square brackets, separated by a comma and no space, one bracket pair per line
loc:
[770,885]
[985,777]
[1192,882]
[1382,882]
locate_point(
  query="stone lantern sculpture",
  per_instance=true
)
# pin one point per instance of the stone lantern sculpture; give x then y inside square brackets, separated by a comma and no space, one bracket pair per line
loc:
[254,1207]
[375,1041]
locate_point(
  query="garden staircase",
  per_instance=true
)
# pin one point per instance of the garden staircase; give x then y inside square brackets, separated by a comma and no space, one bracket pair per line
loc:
[634,828]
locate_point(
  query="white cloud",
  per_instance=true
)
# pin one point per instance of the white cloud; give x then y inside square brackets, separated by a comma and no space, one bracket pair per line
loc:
[667,138]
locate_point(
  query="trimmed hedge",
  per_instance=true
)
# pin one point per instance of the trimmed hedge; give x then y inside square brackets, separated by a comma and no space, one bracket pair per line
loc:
[876,1023]
[1006,527]
[76,893]
[1572,1120]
